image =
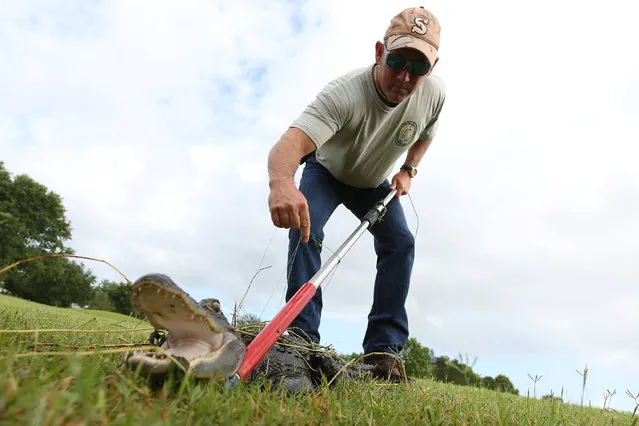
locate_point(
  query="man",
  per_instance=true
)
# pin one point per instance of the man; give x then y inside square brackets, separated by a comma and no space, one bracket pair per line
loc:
[350,138]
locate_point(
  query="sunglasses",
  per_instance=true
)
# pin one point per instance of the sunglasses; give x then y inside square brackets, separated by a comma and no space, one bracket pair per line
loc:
[397,62]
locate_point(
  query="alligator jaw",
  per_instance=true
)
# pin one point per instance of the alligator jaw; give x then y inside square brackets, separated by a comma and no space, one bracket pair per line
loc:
[202,341]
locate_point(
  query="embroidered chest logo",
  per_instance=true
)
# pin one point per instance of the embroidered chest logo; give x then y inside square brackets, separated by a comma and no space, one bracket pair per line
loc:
[405,133]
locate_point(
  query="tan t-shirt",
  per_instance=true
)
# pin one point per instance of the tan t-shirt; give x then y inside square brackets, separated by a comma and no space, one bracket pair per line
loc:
[358,137]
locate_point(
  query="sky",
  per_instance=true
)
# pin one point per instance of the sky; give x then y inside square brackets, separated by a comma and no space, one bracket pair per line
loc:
[153,122]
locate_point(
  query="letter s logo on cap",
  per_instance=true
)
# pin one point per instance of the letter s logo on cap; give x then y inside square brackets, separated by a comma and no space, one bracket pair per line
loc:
[420,26]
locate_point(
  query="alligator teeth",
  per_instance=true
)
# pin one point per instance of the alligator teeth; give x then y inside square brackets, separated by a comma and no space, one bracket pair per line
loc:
[173,296]
[159,291]
[192,317]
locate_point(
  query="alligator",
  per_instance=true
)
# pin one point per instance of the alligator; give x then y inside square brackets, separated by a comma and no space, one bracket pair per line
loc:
[200,341]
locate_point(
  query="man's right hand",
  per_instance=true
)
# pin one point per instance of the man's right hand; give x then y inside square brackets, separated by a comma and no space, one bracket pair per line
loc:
[289,208]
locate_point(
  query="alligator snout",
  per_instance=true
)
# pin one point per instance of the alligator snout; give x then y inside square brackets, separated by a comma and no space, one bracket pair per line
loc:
[199,338]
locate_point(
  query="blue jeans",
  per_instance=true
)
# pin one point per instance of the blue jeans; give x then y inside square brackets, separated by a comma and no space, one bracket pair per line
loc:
[394,244]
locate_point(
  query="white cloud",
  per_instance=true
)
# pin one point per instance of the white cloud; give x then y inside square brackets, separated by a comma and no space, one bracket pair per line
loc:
[154,123]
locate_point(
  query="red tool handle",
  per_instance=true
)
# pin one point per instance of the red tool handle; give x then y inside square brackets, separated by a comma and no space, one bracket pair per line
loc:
[265,340]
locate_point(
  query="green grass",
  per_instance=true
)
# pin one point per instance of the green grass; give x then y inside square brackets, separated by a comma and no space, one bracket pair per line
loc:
[54,389]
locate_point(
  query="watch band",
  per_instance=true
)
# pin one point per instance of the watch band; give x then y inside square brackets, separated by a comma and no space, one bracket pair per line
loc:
[412,171]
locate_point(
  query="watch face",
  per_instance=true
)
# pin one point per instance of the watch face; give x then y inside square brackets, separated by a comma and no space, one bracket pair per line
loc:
[411,170]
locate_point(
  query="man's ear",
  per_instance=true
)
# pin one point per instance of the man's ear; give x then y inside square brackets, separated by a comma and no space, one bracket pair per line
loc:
[432,66]
[379,52]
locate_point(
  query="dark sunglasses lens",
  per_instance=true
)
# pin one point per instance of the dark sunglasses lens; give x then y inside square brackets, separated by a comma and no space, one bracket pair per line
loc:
[420,68]
[395,62]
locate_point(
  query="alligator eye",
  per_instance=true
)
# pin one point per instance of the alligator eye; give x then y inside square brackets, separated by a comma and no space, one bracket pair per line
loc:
[212,305]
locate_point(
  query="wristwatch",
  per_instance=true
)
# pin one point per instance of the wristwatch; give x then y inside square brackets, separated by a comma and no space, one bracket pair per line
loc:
[412,171]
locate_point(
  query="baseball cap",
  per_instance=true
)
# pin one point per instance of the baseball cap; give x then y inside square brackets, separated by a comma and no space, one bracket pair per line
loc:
[415,28]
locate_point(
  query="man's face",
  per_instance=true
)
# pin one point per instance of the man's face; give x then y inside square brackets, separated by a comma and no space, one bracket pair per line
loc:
[398,85]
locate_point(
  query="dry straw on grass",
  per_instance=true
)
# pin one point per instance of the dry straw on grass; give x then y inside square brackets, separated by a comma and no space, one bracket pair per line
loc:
[249,328]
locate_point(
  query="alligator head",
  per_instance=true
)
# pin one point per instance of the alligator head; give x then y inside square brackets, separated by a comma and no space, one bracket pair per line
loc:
[199,337]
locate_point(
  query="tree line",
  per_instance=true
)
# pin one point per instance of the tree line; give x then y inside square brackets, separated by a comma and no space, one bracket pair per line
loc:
[33,223]
[421,362]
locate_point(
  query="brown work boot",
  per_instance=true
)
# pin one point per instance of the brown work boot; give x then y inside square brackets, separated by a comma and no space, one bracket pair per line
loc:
[388,369]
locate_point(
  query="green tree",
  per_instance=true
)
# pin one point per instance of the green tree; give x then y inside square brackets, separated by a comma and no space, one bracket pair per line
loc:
[552,397]
[488,382]
[248,318]
[9,239]
[40,222]
[100,300]
[119,295]
[503,384]
[33,223]
[56,282]
[113,297]
[353,356]
[418,359]
[454,371]
[500,383]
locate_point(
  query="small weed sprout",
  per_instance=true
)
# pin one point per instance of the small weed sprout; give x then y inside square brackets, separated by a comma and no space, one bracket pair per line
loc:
[635,398]
[535,380]
[583,374]
[607,397]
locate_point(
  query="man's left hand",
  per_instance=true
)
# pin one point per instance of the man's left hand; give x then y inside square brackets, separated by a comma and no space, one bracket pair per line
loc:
[401,182]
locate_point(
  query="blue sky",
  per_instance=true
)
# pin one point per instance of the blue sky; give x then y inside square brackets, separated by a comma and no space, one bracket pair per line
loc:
[154,123]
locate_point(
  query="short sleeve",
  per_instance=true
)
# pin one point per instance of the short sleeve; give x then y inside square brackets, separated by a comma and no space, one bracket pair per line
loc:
[430,130]
[326,114]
